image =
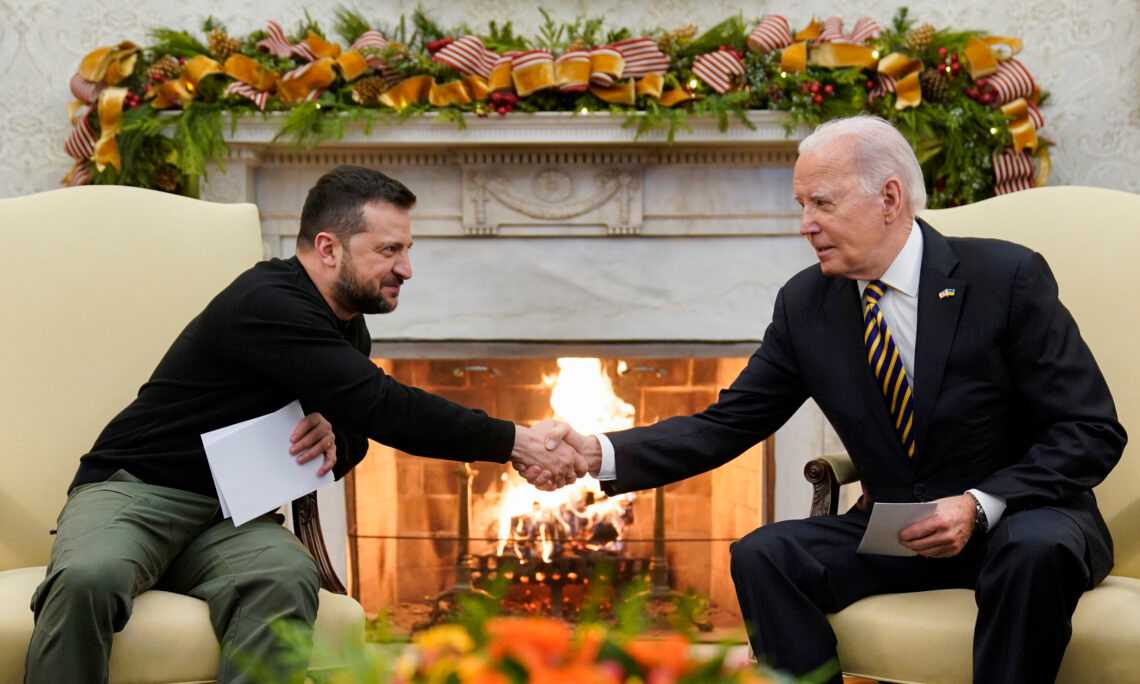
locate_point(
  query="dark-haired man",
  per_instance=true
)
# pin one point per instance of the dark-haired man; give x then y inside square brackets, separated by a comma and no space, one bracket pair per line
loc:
[142,511]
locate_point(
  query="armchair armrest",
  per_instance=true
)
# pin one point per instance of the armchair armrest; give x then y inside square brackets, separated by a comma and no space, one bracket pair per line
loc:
[826,474]
[307,527]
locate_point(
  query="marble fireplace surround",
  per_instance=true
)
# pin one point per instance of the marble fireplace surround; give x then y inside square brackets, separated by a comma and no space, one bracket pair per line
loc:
[562,234]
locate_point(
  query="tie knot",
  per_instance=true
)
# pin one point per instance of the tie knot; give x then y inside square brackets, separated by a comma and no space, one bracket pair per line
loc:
[875,290]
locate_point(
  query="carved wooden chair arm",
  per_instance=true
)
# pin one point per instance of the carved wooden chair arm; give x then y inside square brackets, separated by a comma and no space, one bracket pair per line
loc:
[826,474]
[307,527]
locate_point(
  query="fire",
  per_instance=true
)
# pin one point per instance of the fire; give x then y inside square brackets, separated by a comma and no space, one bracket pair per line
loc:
[579,516]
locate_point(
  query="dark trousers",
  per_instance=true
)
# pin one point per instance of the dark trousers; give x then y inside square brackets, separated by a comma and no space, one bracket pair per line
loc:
[1027,573]
[118,538]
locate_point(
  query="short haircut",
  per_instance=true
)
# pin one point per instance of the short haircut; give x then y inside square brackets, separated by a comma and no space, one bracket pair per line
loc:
[336,203]
[880,152]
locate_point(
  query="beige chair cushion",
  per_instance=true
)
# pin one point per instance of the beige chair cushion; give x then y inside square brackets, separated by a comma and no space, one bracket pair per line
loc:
[168,639]
[928,636]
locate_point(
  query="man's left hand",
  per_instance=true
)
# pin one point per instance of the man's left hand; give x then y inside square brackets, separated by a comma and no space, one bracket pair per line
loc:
[312,438]
[944,533]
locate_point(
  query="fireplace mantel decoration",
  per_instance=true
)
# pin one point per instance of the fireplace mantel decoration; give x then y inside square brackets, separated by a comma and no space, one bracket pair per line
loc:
[154,117]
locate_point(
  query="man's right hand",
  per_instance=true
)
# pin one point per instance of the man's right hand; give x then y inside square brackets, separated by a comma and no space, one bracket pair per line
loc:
[587,445]
[544,459]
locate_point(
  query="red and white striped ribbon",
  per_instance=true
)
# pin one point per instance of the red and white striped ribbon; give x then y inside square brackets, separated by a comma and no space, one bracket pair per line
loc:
[259,97]
[80,144]
[278,45]
[772,33]
[525,59]
[85,91]
[80,175]
[717,69]
[468,55]
[296,73]
[865,29]
[1011,81]
[1013,171]
[642,57]
[883,84]
[372,40]
[1036,116]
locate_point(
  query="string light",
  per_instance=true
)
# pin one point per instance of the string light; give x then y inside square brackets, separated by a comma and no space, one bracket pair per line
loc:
[693,83]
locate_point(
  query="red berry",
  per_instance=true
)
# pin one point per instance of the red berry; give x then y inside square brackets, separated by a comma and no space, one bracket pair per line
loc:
[806,88]
[870,85]
[955,67]
[815,87]
[954,58]
[828,89]
[971,92]
[942,52]
[502,110]
[511,99]
[817,99]
[439,44]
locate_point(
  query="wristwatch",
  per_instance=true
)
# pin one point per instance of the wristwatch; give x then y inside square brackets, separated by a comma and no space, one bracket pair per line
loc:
[980,521]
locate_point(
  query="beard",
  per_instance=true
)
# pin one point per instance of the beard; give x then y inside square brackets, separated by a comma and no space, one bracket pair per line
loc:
[359,297]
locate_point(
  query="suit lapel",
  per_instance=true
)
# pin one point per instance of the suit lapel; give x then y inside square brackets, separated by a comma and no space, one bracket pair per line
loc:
[940,300]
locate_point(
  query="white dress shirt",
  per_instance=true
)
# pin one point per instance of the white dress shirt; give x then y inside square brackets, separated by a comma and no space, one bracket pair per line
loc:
[899,305]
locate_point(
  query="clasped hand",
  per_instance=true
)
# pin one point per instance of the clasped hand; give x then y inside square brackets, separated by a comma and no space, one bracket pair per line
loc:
[544,456]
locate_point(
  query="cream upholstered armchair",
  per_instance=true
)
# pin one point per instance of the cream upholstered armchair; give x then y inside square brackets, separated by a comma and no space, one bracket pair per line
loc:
[1091,238]
[97,282]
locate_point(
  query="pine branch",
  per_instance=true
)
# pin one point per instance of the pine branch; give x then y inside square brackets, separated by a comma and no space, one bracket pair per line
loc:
[350,25]
[177,43]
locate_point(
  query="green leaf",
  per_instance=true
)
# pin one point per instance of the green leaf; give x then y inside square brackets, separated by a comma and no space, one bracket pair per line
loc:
[350,25]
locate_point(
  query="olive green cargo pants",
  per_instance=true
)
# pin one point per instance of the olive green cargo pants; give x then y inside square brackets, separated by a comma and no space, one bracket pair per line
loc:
[119,538]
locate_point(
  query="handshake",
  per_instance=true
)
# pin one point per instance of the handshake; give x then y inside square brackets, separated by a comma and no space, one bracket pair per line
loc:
[552,454]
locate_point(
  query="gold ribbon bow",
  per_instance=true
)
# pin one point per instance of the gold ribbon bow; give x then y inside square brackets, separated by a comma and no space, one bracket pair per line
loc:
[796,57]
[905,71]
[418,89]
[106,67]
[983,54]
[1021,126]
[110,121]
[180,91]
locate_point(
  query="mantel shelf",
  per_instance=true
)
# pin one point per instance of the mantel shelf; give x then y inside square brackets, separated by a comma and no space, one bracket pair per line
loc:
[538,129]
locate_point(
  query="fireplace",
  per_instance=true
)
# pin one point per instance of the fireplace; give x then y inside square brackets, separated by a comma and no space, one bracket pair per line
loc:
[405,513]
[555,236]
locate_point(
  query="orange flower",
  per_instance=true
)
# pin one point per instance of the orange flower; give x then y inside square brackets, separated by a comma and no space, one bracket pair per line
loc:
[579,673]
[535,643]
[670,653]
[587,642]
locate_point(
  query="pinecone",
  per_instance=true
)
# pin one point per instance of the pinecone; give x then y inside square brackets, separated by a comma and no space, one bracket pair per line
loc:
[920,37]
[935,84]
[222,45]
[367,90]
[165,68]
[167,178]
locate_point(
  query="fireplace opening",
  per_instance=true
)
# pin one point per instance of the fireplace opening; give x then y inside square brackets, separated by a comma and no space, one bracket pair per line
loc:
[419,528]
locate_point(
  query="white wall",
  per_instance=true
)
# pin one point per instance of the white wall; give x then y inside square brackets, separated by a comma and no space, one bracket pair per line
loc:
[1085,53]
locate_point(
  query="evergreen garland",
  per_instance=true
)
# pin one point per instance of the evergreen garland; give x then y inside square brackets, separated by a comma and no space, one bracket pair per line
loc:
[953,135]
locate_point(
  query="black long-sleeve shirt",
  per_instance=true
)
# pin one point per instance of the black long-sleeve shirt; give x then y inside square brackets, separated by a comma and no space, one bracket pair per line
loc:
[267,339]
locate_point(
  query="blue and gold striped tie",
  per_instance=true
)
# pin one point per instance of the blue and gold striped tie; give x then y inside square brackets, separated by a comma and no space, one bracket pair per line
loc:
[887,365]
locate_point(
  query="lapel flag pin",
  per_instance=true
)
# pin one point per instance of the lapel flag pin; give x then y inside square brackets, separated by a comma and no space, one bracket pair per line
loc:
[948,292]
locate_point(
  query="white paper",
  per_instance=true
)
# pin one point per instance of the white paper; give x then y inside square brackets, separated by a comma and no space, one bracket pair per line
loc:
[252,468]
[887,520]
